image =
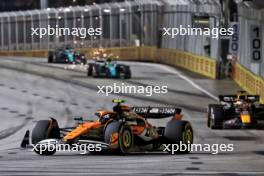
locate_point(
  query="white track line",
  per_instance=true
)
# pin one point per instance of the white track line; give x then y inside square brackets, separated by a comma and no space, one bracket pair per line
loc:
[182,76]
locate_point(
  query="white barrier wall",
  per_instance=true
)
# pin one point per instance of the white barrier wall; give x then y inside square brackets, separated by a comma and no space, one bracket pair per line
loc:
[178,13]
[251,38]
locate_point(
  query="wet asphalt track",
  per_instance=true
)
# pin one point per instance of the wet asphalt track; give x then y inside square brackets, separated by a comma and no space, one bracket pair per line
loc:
[31,89]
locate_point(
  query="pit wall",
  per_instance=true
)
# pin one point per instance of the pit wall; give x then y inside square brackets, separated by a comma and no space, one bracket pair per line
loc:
[195,63]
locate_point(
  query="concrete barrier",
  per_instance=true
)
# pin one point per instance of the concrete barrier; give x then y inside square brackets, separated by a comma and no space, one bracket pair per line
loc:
[194,63]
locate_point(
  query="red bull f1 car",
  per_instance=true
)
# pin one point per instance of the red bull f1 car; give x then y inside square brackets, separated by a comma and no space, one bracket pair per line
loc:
[122,130]
[236,111]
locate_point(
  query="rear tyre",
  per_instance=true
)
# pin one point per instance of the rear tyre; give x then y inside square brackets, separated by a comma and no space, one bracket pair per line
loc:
[127,73]
[125,139]
[83,59]
[179,132]
[215,117]
[95,71]
[50,57]
[90,70]
[108,73]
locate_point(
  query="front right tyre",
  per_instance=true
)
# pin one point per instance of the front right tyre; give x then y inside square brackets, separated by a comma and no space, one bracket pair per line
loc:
[215,117]
[125,138]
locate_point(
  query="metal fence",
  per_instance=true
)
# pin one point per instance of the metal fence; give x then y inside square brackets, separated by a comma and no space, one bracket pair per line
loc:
[122,24]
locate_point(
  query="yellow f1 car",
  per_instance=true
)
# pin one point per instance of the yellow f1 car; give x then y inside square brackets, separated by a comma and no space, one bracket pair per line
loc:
[123,129]
[236,111]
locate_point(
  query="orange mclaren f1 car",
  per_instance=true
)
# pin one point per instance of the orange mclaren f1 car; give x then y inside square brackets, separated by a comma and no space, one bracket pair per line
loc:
[124,129]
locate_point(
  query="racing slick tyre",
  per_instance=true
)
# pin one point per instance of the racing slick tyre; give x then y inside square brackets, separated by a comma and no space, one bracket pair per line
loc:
[50,57]
[215,116]
[95,71]
[45,129]
[123,72]
[208,115]
[90,70]
[125,138]
[178,132]
[127,72]
[108,73]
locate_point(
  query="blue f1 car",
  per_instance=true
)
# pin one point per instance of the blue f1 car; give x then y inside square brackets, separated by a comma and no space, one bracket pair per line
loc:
[108,69]
[66,55]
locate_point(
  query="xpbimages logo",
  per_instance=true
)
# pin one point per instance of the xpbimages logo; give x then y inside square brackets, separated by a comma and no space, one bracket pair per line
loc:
[57,31]
[208,148]
[190,31]
[129,89]
[41,148]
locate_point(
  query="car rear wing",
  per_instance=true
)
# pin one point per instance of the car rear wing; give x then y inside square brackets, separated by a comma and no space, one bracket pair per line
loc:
[156,112]
[233,98]
[228,98]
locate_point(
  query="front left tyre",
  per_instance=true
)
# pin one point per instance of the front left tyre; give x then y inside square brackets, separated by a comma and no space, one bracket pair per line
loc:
[124,136]
[45,129]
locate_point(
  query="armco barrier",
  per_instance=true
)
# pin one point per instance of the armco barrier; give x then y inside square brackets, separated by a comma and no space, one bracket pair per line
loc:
[197,64]
[249,81]
[194,63]
[124,53]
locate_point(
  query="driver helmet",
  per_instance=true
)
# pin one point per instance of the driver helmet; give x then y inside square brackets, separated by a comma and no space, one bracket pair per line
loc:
[121,108]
